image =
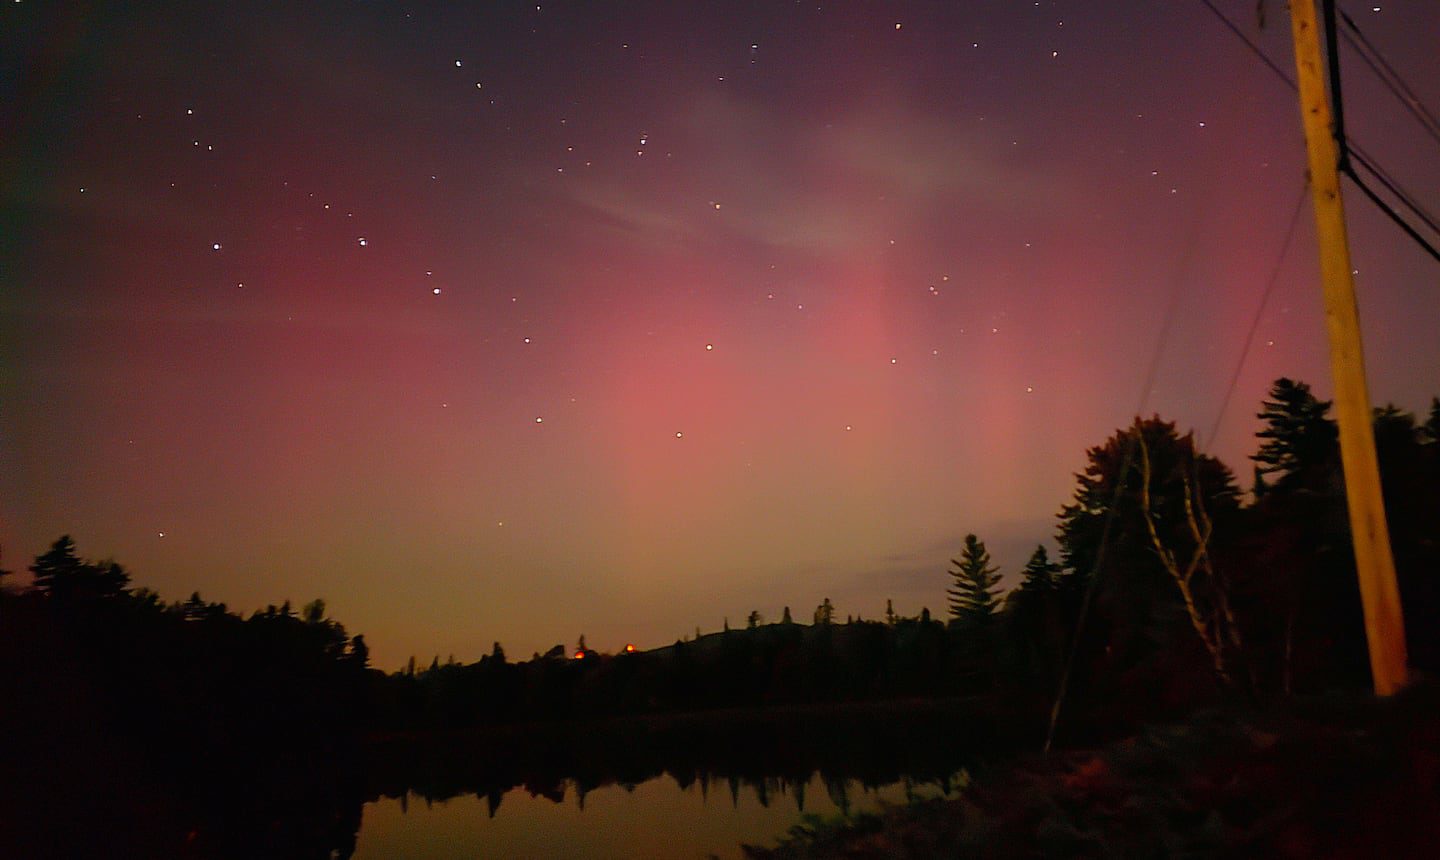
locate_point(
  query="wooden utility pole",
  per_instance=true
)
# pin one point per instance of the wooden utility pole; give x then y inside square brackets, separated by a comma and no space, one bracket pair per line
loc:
[1379,593]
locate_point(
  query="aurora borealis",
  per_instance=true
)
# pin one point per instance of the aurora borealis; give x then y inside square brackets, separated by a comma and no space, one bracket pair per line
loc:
[512,321]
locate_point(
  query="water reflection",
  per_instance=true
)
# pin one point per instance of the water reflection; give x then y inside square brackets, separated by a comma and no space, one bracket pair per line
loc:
[674,786]
[673,815]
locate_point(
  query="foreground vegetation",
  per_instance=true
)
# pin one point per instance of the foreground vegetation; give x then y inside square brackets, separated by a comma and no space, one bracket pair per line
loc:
[1334,777]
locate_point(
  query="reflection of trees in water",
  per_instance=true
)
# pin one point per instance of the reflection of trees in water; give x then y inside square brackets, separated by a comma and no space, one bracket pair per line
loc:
[770,755]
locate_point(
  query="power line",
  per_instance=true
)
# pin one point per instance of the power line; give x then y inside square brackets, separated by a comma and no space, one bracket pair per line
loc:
[1394,216]
[1254,48]
[1391,78]
[1127,459]
[1259,312]
[1359,157]
[1371,165]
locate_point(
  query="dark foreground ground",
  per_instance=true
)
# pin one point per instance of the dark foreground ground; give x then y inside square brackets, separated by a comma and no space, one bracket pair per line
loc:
[1330,778]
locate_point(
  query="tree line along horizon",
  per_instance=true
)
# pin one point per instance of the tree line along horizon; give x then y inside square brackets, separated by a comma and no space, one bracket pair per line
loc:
[1170,573]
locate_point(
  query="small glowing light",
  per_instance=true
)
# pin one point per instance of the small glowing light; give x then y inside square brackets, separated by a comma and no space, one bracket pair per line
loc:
[240,285]
[435,291]
[82,190]
[629,649]
[363,241]
[897,25]
[162,534]
[527,340]
[1054,54]
[539,419]
[709,347]
[215,246]
[579,655]
[457,64]
[894,361]
[189,112]
[848,428]
[679,435]
[501,523]
[1029,389]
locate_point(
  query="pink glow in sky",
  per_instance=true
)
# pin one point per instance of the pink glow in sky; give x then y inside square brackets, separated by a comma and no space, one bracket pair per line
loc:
[504,322]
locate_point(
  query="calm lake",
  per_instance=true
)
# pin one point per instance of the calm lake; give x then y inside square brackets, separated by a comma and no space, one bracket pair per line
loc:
[684,785]
[657,818]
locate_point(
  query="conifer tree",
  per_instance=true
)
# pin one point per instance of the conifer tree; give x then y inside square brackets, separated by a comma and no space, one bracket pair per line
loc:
[973,593]
[1299,437]
[62,574]
[1039,572]
[1430,430]
[786,619]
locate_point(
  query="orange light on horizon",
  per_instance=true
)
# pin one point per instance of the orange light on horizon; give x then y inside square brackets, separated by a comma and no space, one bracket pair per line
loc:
[629,649]
[579,655]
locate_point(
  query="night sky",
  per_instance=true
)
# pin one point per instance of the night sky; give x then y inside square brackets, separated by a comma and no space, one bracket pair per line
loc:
[505,321]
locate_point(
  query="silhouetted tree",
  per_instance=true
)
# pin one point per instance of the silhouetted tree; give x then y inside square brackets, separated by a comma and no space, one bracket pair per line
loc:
[785,618]
[1138,631]
[1300,441]
[975,587]
[359,652]
[313,612]
[1430,430]
[62,575]
[825,612]
[1039,573]
[1035,625]
[753,620]
[890,616]
[1307,600]
[498,654]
